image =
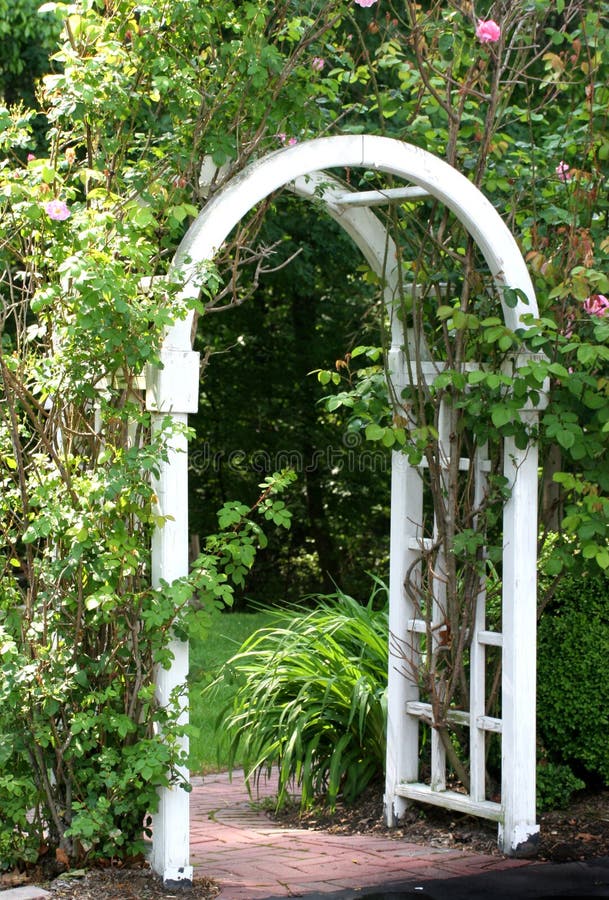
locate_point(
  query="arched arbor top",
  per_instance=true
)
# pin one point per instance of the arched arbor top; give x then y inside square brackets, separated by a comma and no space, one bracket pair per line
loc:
[405,161]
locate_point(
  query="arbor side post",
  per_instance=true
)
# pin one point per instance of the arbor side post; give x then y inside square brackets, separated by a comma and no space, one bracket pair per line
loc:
[402,755]
[519,832]
[173,391]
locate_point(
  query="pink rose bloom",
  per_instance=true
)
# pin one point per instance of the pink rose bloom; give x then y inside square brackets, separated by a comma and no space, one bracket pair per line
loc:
[57,210]
[365,2]
[597,305]
[317,63]
[488,31]
[562,170]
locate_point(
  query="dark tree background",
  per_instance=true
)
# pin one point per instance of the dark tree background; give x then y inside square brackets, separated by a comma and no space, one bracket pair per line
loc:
[261,409]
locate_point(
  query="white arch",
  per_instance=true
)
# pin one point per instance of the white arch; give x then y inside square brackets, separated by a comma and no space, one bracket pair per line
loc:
[215,222]
[173,390]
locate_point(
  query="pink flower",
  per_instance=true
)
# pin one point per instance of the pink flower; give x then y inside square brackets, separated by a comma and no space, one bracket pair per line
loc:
[562,170]
[365,2]
[597,305]
[488,31]
[30,157]
[57,210]
[317,63]
[292,141]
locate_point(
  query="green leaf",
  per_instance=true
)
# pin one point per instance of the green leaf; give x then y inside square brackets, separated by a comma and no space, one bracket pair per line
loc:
[553,566]
[444,312]
[141,216]
[586,354]
[602,558]
[374,432]
[476,376]
[500,416]
[510,298]
[81,677]
[566,439]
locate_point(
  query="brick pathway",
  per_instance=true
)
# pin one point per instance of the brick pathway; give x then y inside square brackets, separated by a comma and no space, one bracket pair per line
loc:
[254,859]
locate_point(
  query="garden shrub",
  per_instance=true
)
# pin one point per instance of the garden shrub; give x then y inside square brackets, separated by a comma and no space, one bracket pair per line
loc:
[573,678]
[84,743]
[556,785]
[312,698]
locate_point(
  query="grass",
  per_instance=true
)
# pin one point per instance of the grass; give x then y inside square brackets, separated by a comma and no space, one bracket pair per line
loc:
[209,748]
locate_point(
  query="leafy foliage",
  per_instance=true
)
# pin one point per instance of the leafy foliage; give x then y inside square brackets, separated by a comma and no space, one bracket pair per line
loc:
[86,742]
[556,785]
[87,229]
[311,698]
[573,685]
[486,375]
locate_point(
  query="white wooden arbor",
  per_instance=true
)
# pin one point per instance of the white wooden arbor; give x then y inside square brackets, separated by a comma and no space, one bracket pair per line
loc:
[173,390]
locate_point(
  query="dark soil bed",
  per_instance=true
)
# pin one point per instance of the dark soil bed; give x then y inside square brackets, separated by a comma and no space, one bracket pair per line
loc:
[111,882]
[127,884]
[580,831]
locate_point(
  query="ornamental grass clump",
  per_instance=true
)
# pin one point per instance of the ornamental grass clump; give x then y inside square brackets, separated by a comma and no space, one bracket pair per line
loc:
[312,698]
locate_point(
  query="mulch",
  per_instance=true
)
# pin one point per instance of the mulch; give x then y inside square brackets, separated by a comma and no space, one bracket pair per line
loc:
[111,882]
[578,832]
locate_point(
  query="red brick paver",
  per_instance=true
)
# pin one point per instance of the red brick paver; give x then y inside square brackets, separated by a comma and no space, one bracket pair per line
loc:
[252,858]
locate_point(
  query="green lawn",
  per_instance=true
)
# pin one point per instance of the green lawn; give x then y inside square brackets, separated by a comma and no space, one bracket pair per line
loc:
[207,659]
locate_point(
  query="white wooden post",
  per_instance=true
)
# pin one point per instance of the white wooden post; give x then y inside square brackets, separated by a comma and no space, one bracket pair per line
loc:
[173,391]
[477,660]
[519,833]
[402,729]
[439,613]
[402,759]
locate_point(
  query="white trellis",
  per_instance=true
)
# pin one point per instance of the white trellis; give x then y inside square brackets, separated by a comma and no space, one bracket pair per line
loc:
[173,391]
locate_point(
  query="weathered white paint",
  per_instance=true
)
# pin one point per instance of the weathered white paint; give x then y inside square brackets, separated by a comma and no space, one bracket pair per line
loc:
[402,760]
[175,387]
[382,198]
[172,390]
[518,755]
[423,793]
